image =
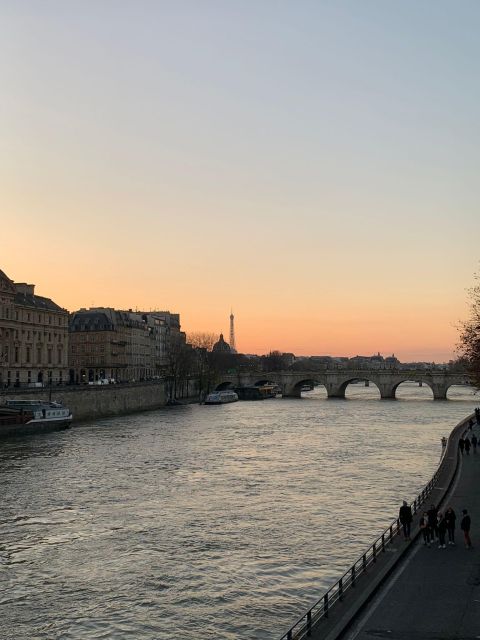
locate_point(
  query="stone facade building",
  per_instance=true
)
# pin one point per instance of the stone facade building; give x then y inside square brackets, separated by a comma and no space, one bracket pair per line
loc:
[33,337]
[107,344]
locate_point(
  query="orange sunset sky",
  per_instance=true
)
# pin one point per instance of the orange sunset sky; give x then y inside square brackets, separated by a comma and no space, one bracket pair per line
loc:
[314,167]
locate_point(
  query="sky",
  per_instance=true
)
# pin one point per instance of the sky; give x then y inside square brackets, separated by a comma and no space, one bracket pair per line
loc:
[312,165]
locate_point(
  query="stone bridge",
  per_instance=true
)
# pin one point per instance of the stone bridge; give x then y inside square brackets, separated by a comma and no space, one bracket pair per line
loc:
[337,380]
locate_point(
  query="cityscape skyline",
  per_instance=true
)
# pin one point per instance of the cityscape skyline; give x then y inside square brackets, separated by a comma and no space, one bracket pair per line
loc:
[314,165]
[135,311]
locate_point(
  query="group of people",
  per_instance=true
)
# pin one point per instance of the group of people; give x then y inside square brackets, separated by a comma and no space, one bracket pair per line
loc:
[464,444]
[436,525]
[470,440]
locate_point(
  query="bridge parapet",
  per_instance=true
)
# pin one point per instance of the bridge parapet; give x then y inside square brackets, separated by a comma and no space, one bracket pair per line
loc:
[336,381]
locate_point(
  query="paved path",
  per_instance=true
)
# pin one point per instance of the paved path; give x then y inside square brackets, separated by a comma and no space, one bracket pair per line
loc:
[435,593]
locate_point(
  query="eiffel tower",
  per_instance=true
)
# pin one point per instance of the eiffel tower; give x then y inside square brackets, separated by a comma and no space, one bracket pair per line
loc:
[232,333]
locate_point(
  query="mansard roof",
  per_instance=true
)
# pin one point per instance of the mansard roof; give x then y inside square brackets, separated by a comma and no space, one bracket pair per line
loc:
[36,302]
[6,285]
[105,319]
[92,321]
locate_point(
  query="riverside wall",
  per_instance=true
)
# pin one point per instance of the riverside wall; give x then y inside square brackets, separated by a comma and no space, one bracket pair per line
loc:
[87,402]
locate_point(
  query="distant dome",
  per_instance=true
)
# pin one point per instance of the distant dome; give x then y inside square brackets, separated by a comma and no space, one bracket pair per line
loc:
[221,346]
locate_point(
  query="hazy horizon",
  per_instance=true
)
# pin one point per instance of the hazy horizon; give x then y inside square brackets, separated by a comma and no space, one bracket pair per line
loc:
[314,166]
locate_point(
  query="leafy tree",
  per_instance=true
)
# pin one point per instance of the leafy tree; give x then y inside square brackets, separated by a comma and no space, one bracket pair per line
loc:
[469,345]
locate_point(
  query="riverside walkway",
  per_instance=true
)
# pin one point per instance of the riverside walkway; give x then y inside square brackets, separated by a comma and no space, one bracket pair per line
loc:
[434,593]
[408,591]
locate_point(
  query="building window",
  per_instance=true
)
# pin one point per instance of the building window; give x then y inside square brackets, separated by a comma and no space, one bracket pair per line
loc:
[28,354]
[29,377]
[39,355]
[16,355]
[49,356]
[59,356]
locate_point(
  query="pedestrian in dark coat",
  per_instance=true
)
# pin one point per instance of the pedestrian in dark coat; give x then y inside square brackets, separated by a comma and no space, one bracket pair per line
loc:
[465,525]
[405,516]
[442,530]
[461,445]
[474,443]
[425,529]
[467,445]
[432,521]
[450,518]
[477,415]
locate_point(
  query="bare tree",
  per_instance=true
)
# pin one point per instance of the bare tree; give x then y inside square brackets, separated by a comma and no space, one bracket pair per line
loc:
[469,345]
[202,340]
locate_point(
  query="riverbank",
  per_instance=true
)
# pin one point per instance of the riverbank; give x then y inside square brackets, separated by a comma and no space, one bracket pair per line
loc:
[87,402]
[336,613]
[435,593]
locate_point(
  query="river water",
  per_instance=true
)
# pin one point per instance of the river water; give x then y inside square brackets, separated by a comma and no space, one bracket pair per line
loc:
[201,522]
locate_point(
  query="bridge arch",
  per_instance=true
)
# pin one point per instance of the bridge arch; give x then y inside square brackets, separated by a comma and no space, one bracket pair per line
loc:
[421,382]
[350,381]
[299,386]
[227,384]
[466,387]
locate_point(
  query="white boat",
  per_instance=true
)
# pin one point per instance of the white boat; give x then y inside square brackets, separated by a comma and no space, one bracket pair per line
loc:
[19,417]
[221,397]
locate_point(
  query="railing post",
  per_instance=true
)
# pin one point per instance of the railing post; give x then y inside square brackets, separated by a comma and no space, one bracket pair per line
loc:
[364,562]
[398,527]
[353,575]
[374,551]
[415,506]
[391,533]
[309,623]
[340,589]
[325,605]
[383,543]
[289,635]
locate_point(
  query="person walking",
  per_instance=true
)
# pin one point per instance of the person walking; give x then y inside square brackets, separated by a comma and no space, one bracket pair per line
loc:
[461,445]
[465,525]
[432,514]
[425,529]
[450,518]
[477,415]
[405,516]
[442,530]
[474,443]
[467,445]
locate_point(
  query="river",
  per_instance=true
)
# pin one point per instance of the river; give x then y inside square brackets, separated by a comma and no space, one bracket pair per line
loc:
[201,522]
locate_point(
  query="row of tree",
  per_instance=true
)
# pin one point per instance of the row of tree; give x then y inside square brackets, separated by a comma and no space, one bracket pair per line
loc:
[197,360]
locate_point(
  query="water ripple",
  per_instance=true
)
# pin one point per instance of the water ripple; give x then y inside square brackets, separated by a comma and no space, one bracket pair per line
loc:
[201,523]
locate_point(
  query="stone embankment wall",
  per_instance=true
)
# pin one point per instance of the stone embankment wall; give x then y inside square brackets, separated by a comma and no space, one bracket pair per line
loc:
[94,401]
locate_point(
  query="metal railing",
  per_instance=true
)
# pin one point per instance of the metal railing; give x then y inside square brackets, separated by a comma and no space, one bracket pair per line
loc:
[304,625]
